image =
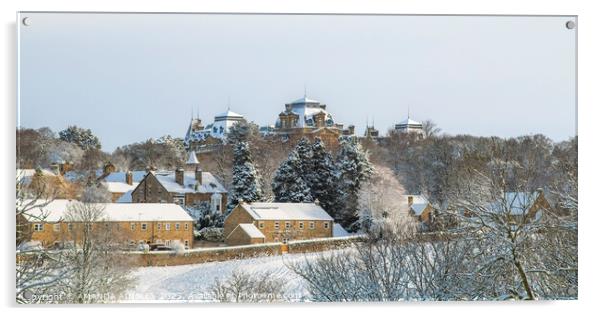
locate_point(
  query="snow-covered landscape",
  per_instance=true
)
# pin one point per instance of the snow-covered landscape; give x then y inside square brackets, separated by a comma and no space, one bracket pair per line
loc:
[192,283]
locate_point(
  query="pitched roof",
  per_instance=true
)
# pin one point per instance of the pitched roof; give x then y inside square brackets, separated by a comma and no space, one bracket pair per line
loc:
[419,203]
[251,230]
[339,231]
[119,187]
[284,211]
[209,182]
[116,212]
[409,121]
[304,100]
[125,198]
[119,176]
[227,114]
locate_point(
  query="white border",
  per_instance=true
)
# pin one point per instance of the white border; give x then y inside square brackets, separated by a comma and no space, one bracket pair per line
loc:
[589,128]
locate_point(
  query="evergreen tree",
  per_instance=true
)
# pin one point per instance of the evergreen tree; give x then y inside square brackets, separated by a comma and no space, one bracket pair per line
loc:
[304,150]
[80,137]
[354,168]
[322,178]
[245,179]
[288,185]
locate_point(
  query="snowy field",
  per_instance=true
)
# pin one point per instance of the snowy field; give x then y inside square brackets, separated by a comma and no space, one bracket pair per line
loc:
[192,283]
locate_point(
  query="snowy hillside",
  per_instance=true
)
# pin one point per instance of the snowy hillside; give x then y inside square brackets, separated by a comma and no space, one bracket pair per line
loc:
[192,283]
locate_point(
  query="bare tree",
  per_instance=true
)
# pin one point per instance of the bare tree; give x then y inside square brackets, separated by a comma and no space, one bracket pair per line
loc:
[98,271]
[36,268]
[430,129]
[243,286]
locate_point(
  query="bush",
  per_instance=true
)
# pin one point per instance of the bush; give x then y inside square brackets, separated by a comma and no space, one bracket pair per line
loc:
[211,234]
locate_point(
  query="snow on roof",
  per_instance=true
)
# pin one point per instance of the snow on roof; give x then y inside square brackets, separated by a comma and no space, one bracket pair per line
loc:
[409,121]
[419,203]
[192,160]
[304,100]
[284,211]
[209,183]
[126,197]
[116,212]
[119,176]
[251,230]
[227,114]
[339,231]
[118,187]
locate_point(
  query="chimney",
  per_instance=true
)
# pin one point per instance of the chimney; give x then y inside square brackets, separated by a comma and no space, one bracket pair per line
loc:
[198,175]
[129,178]
[180,176]
[410,200]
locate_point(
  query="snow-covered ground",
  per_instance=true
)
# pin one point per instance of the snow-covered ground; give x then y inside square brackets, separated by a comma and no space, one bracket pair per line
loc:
[192,283]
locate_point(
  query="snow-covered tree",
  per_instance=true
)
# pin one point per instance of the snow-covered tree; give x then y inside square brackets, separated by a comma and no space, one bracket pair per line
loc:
[81,137]
[304,150]
[288,184]
[246,185]
[354,168]
[322,176]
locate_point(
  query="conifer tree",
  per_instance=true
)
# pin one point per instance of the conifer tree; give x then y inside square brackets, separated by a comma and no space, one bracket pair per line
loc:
[304,149]
[354,168]
[288,185]
[322,178]
[245,179]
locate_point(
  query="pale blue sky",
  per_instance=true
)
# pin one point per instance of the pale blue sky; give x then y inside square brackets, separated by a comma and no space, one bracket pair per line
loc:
[129,77]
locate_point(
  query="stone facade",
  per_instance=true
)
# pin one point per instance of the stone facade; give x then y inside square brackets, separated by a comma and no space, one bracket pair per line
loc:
[239,237]
[281,230]
[150,190]
[135,232]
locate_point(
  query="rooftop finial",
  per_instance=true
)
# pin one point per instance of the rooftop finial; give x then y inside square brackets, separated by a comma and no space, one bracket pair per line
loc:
[305,90]
[408,112]
[228,103]
[191,113]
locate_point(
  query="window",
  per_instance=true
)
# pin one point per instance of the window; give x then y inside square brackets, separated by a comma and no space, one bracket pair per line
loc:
[132,226]
[167,226]
[261,225]
[287,225]
[216,202]
[143,226]
[326,225]
[167,242]
[186,226]
[276,225]
[158,226]
[177,226]
[56,227]
[301,225]
[312,225]
[38,227]
[70,227]
[185,243]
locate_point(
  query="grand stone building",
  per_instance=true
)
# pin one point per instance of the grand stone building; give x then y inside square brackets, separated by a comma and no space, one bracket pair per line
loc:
[410,126]
[309,118]
[203,138]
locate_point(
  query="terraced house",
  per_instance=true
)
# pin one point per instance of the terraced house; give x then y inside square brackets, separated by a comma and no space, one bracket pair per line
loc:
[127,223]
